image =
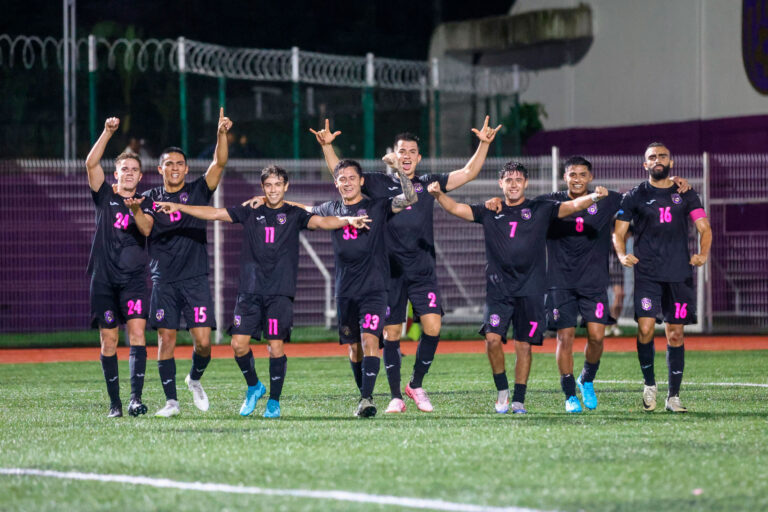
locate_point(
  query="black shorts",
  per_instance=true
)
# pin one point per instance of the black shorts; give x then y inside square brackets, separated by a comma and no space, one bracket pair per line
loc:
[564,307]
[190,298]
[525,314]
[115,304]
[359,315]
[270,316]
[673,303]
[421,289]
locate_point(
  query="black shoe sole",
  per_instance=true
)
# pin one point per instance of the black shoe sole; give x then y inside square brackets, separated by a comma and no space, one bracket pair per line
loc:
[368,412]
[137,411]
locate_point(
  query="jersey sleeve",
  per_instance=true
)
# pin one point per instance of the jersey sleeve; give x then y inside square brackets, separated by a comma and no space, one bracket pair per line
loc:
[442,179]
[478,211]
[239,213]
[324,210]
[101,195]
[694,206]
[303,216]
[148,206]
[200,187]
[375,185]
[626,208]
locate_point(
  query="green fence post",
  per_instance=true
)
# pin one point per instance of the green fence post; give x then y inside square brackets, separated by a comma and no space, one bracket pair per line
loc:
[369,141]
[498,141]
[181,54]
[92,66]
[436,148]
[223,93]
[296,98]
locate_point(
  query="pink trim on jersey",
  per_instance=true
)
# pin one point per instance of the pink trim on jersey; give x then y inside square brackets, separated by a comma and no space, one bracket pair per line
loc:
[698,213]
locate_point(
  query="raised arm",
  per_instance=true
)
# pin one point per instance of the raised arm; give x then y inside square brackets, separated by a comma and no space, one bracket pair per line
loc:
[582,203]
[409,195]
[620,243]
[460,210]
[93,160]
[143,221]
[200,212]
[220,154]
[330,223]
[705,241]
[470,171]
[325,138]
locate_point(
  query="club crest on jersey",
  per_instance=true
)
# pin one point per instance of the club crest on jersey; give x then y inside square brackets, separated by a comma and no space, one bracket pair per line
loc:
[677,199]
[592,209]
[495,320]
[556,314]
[418,188]
[281,218]
[109,316]
[184,197]
[361,212]
[238,319]
[160,314]
[646,304]
[525,213]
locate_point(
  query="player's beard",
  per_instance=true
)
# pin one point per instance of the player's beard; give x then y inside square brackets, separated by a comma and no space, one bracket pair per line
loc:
[662,174]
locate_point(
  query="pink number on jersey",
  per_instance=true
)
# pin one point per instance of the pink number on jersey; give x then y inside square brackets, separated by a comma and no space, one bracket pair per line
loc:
[269,235]
[512,231]
[665,215]
[175,216]
[350,233]
[579,224]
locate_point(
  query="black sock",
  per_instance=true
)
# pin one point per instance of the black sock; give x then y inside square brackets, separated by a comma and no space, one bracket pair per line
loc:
[357,372]
[500,379]
[199,364]
[589,371]
[371,366]
[425,353]
[137,365]
[645,354]
[392,364]
[568,384]
[518,395]
[167,369]
[675,365]
[246,366]
[109,366]
[277,369]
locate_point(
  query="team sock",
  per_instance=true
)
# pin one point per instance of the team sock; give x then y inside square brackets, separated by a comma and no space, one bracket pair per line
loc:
[357,372]
[246,366]
[425,353]
[568,385]
[167,369]
[392,363]
[645,354]
[137,365]
[277,369]
[500,379]
[199,364]
[675,365]
[109,367]
[518,394]
[371,366]
[589,371]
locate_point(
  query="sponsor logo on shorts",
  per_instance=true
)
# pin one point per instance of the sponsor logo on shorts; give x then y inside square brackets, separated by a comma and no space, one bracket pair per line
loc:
[418,188]
[556,314]
[160,314]
[109,316]
[525,213]
[592,209]
[345,330]
[677,199]
[646,304]
[184,197]
[281,218]
[238,319]
[495,320]
[362,212]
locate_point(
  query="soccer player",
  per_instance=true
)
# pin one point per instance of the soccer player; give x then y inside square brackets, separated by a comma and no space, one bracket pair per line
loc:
[269,262]
[117,266]
[515,248]
[663,267]
[362,270]
[179,268]
[411,246]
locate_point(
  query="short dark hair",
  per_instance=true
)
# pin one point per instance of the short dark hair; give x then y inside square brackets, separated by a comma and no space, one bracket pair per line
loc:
[347,163]
[274,170]
[172,149]
[406,136]
[512,167]
[127,154]
[656,144]
[577,160]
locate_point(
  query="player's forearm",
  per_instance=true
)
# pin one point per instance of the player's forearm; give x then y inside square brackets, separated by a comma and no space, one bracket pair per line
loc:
[328,223]
[206,212]
[471,170]
[576,205]
[143,221]
[220,159]
[330,157]
[300,205]
[409,193]
[460,210]
[97,151]
[705,240]
[620,238]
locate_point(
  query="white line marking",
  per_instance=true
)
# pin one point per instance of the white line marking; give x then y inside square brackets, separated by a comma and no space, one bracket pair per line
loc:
[357,497]
[722,384]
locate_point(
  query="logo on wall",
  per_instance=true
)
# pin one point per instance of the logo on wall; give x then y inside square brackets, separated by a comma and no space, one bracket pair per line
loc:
[754,43]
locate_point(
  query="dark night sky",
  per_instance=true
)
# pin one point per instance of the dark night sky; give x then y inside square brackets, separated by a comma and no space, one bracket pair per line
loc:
[393,28]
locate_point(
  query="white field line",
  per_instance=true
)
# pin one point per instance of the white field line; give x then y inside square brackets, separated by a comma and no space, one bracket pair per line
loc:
[355,497]
[721,384]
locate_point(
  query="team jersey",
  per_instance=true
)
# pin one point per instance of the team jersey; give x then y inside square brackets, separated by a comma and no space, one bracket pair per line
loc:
[660,218]
[578,245]
[515,246]
[117,252]
[177,243]
[269,259]
[361,261]
[410,235]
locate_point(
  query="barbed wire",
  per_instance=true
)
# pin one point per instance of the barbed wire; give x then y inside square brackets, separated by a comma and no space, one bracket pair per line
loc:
[258,64]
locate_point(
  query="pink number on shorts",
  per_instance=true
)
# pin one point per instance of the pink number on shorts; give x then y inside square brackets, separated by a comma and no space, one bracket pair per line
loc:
[200,315]
[599,310]
[432,299]
[534,325]
[272,329]
[134,308]
[681,310]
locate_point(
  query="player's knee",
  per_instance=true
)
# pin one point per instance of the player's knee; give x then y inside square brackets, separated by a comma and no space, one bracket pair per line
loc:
[108,338]
[240,346]
[392,332]
[565,340]
[492,342]
[522,348]
[355,352]
[275,348]
[431,324]
[675,337]
[136,336]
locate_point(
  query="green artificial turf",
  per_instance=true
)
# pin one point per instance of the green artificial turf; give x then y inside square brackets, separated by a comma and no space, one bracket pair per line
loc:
[53,416]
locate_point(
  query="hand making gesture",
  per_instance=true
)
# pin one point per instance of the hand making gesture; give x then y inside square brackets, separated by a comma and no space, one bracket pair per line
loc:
[325,136]
[486,133]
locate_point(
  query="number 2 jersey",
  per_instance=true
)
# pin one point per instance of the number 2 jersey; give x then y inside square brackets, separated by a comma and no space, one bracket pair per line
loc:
[117,252]
[660,218]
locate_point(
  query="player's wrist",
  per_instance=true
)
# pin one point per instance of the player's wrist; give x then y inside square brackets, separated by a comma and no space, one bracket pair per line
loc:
[594,196]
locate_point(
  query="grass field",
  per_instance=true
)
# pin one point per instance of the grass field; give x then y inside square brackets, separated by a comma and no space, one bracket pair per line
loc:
[52,417]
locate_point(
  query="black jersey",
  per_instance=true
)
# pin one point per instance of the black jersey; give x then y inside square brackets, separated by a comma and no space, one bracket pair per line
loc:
[515,246]
[410,234]
[177,243]
[269,259]
[362,266]
[578,245]
[117,252]
[660,219]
